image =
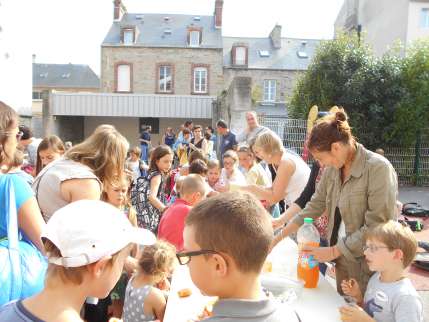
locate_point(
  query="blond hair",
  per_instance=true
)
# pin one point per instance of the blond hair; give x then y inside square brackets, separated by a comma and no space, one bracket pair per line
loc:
[192,183]
[211,164]
[104,152]
[8,120]
[395,236]
[123,180]
[157,259]
[269,142]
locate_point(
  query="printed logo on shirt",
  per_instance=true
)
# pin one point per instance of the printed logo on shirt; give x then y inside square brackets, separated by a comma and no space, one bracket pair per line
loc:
[377,303]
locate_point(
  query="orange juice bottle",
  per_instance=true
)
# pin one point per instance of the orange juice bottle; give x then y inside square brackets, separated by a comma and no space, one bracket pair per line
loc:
[308,266]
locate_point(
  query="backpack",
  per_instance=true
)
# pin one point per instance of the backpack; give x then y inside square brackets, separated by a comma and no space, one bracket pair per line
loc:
[413,209]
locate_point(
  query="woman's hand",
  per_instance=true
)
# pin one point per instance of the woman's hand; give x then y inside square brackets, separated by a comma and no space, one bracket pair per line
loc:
[354,314]
[322,254]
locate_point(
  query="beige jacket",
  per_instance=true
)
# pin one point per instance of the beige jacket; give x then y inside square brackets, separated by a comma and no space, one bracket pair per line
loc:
[366,198]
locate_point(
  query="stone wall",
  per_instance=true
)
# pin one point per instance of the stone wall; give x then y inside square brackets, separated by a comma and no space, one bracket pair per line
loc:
[286,80]
[145,69]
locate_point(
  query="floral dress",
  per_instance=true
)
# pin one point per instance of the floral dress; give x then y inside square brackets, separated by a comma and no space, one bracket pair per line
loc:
[148,216]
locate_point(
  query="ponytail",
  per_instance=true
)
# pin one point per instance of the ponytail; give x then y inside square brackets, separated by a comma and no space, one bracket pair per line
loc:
[330,129]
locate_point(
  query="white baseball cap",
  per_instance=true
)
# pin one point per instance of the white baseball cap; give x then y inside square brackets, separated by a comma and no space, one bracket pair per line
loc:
[87,230]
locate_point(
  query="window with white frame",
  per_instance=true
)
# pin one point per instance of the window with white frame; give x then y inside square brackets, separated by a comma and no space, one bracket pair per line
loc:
[194,38]
[200,80]
[128,36]
[240,55]
[165,82]
[269,90]
[124,78]
[424,18]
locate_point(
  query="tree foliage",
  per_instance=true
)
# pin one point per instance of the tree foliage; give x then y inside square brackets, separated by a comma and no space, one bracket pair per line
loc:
[383,96]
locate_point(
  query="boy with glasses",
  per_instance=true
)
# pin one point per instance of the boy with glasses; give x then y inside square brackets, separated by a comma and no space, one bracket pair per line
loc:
[390,297]
[226,241]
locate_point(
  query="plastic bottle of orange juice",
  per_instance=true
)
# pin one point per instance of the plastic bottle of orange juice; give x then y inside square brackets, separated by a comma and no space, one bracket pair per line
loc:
[308,266]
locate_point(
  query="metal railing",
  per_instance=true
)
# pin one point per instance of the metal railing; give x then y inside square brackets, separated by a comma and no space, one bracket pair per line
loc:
[411,164]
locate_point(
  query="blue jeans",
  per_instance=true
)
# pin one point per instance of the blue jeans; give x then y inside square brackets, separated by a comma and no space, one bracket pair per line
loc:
[144,155]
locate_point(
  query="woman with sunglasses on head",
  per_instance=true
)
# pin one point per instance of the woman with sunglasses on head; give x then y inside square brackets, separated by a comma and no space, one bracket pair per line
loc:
[358,189]
[16,200]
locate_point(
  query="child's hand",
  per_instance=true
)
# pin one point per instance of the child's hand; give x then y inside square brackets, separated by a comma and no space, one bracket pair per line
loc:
[354,314]
[164,285]
[351,287]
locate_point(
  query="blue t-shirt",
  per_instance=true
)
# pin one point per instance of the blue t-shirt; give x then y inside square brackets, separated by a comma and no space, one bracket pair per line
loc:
[16,312]
[23,192]
[145,136]
[228,142]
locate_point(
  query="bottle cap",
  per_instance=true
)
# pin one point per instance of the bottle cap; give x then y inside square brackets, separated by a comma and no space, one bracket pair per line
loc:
[308,220]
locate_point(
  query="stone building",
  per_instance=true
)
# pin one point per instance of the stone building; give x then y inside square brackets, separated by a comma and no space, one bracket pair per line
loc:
[179,56]
[385,22]
[273,63]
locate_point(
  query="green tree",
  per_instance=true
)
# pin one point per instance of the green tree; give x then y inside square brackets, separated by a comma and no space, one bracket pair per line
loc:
[344,72]
[412,114]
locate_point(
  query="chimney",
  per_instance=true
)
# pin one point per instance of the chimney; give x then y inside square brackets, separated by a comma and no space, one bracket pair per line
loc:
[276,36]
[34,58]
[118,10]
[218,13]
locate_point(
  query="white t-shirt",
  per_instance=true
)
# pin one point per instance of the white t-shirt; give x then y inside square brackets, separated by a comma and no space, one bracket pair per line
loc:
[299,179]
[134,167]
[393,302]
[32,151]
[236,178]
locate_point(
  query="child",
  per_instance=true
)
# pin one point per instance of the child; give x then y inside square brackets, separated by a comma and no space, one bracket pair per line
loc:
[213,173]
[150,195]
[200,167]
[143,300]
[137,166]
[226,241]
[192,190]
[390,296]
[50,149]
[87,243]
[230,175]
[116,194]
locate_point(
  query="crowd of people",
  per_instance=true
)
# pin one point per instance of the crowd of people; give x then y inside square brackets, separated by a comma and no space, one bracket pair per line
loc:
[216,201]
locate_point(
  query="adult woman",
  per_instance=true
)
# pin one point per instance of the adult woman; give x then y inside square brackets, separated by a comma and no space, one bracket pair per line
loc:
[149,194]
[358,190]
[101,157]
[14,188]
[292,172]
[198,142]
[169,137]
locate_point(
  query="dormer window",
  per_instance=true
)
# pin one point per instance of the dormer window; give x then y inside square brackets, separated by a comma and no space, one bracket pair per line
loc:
[128,36]
[239,55]
[194,37]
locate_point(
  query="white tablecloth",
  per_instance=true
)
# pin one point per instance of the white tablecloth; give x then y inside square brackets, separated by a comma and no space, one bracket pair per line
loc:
[319,304]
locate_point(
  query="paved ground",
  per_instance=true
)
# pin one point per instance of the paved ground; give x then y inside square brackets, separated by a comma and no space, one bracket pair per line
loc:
[421,196]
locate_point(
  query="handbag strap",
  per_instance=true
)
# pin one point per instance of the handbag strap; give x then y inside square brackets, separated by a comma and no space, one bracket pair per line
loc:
[13,236]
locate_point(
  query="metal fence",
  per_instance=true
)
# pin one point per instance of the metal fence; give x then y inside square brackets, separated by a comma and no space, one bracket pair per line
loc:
[411,164]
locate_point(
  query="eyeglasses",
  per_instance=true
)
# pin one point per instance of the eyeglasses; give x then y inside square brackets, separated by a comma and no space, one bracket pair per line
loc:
[185,257]
[373,248]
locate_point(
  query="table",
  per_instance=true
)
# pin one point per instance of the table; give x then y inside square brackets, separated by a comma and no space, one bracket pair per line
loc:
[319,304]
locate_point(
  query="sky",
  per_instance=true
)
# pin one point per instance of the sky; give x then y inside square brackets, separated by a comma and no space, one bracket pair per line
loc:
[64,31]
[71,31]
